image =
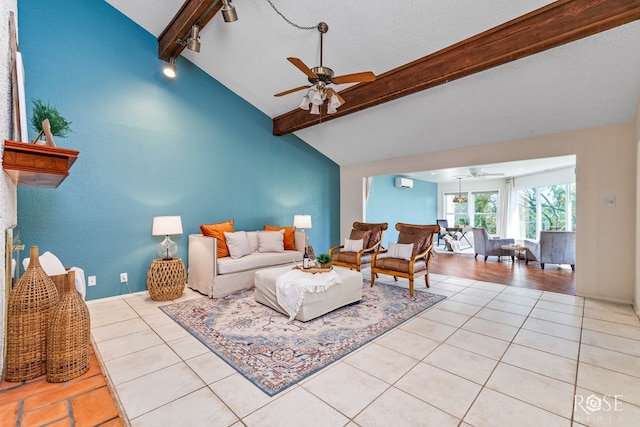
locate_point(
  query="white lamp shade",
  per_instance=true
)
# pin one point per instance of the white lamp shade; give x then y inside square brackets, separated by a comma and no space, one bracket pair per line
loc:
[305,103]
[302,221]
[317,98]
[166,225]
[315,109]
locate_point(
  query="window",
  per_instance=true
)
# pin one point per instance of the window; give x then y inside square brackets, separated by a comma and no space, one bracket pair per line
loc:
[547,208]
[481,210]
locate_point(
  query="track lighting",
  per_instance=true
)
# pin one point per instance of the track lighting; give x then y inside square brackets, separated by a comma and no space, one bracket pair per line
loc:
[192,42]
[169,69]
[229,11]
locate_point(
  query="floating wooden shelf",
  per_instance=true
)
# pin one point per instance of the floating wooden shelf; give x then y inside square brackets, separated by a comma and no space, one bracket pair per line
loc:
[37,165]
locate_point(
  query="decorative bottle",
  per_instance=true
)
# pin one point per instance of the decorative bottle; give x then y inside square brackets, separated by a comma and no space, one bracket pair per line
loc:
[305,259]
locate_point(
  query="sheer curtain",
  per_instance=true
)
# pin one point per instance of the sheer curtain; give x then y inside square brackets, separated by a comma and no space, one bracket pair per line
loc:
[508,210]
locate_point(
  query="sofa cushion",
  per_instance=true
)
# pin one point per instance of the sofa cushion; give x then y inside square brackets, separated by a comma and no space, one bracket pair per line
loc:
[217,231]
[400,250]
[271,241]
[237,243]
[252,237]
[289,232]
[256,260]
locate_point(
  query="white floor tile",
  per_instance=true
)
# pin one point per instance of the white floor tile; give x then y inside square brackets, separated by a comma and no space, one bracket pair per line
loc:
[482,293]
[554,345]
[471,299]
[101,318]
[118,329]
[557,317]
[509,307]
[445,316]
[611,328]
[608,306]
[612,360]
[239,394]
[563,299]
[552,328]
[504,317]
[500,331]
[188,346]
[466,364]
[408,343]
[357,388]
[477,343]
[159,388]
[541,362]
[384,412]
[381,362]
[608,382]
[538,390]
[127,344]
[629,319]
[517,299]
[294,409]
[210,368]
[199,408]
[444,390]
[575,310]
[141,363]
[428,328]
[459,307]
[493,409]
[611,342]
[598,410]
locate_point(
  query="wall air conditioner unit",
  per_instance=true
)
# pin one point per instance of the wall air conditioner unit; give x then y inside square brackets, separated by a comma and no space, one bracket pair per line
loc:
[404,182]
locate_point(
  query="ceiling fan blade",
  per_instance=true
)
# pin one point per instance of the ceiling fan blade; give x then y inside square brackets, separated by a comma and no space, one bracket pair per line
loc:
[302,67]
[365,76]
[295,89]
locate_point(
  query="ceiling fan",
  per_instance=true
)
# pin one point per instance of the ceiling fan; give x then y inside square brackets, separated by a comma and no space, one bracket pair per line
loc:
[479,173]
[320,77]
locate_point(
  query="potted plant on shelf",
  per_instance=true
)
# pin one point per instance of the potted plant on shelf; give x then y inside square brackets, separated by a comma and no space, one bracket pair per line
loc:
[48,121]
[43,164]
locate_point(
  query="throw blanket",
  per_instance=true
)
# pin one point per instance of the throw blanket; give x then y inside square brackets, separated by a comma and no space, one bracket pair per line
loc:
[292,285]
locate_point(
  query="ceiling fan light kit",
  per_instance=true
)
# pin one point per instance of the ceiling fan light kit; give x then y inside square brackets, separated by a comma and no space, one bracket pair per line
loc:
[320,77]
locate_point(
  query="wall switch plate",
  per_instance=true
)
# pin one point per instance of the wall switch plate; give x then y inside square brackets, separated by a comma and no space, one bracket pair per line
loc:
[123,278]
[91,280]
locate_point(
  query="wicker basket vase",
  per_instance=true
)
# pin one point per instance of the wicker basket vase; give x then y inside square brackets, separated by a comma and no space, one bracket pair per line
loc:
[28,317]
[68,342]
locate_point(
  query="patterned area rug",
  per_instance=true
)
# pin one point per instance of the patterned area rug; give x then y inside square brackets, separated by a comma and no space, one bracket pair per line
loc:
[274,353]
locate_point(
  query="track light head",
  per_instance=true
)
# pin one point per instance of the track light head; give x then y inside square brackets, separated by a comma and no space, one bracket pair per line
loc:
[229,11]
[192,42]
[169,69]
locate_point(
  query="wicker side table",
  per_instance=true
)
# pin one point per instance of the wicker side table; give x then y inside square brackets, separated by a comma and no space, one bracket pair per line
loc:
[166,279]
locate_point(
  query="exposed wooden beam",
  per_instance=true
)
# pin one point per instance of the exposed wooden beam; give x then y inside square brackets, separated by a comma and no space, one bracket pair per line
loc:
[556,24]
[191,12]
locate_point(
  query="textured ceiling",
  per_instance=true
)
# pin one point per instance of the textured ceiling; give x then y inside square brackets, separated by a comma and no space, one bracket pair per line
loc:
[591,82]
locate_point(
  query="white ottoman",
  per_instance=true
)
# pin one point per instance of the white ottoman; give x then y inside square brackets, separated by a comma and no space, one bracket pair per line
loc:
[315,303]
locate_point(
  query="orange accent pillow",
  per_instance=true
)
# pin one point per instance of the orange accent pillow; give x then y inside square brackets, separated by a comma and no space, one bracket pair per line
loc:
[217,231]
[289,236]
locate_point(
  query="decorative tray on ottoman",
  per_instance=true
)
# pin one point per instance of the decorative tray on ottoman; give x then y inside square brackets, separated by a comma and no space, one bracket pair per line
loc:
[314,269]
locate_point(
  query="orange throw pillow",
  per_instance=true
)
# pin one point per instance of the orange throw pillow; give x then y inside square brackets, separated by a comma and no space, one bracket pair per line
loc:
[217,231]
[289,236]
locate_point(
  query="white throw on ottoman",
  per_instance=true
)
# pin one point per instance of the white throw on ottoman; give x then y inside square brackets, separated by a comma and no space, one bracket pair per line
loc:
[315,304]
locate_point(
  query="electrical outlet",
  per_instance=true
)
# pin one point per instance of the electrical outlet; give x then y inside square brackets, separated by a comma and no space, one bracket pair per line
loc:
[92,280]
[123,278]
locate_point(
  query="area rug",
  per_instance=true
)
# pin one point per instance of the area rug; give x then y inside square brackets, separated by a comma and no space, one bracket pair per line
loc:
[275,353]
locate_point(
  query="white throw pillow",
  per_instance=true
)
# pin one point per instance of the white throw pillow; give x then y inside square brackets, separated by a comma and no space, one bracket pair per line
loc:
[352,245]
[252,236]
[237,243]
[50,263]
[400,250]
[271,241]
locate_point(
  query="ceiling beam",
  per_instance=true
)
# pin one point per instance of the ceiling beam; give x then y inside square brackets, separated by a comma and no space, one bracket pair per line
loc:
[556,24]
[192,12]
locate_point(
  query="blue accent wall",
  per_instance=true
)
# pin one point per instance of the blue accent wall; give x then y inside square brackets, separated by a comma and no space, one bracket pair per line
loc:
[417,205]
[149,146]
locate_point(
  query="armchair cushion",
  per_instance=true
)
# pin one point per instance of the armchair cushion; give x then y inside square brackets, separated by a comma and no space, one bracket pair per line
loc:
[400,250]
[352,245]
[364,235]
[399,265]
[375,229]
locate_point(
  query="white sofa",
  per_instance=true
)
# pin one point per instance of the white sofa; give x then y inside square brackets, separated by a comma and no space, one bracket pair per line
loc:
[218,277]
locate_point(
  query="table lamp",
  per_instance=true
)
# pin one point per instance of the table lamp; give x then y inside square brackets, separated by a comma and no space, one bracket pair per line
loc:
[302,222]
[167,226]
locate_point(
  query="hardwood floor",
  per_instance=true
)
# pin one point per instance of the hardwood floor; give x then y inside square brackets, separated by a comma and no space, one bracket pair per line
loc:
[553,278]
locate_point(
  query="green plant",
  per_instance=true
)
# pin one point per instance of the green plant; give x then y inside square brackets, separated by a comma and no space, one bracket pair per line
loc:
[323,259]
[41,111]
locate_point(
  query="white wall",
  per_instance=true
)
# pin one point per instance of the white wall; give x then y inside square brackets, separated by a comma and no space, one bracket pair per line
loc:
[8,210]
[636,300]
[605,166]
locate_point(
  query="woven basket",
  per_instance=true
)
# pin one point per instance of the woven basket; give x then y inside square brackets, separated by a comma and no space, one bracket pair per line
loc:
[28,317]
[68,341]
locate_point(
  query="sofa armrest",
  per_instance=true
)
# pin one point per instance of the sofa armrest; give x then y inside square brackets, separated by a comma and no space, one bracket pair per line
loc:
[202,263]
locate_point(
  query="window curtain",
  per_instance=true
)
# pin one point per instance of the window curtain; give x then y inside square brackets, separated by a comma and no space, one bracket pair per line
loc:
[508,210]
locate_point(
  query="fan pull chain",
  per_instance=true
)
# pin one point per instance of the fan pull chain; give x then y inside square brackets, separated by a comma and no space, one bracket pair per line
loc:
[289,22]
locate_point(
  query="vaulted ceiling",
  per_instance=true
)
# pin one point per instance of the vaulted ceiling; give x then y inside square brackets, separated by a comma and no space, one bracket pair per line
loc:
[475,93]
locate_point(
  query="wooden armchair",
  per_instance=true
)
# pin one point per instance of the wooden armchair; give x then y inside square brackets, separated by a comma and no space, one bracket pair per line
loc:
[397,261]
[371,235]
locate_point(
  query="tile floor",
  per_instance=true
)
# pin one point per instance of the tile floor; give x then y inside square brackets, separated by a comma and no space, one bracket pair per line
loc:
[489,355]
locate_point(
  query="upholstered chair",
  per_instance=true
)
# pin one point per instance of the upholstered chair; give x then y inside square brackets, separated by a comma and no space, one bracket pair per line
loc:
[359,254]
[443,223]
[553,247]
[486,245]
[403,260]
